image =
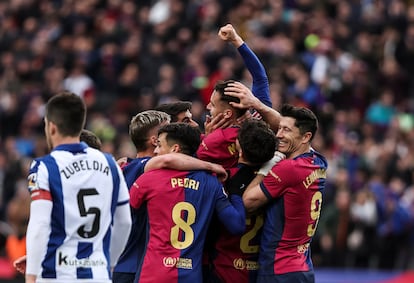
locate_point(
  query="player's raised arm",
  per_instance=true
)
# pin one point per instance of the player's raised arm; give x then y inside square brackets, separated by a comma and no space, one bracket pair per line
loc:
[260,84]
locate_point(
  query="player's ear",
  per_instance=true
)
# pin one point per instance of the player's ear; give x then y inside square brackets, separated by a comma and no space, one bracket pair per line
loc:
[228,113]
[176,148]
[306,137]
[52,128]
[153,140]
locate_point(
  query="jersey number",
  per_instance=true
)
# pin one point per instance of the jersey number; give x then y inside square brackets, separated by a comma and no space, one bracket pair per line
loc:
[91,211]
[247,237]
[179,212]
[316,205]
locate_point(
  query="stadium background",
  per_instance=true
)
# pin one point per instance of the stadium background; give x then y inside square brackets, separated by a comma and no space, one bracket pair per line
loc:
[352,62]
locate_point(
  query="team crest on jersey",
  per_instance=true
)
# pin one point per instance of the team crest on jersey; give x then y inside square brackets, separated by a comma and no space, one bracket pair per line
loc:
[239,263]
[32,182]
[169,261]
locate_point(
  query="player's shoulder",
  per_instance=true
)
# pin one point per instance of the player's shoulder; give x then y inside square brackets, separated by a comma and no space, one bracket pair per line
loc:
[230,132]
[36,163]
[206,177]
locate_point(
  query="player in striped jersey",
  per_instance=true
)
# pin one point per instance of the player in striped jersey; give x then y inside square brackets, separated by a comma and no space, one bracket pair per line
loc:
[79,215]
[180,205]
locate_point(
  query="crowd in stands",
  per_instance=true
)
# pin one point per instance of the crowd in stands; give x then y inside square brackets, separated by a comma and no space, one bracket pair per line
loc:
[351,62]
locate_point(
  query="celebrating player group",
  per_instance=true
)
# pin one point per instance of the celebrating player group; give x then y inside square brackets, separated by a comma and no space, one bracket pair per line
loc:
[237,202]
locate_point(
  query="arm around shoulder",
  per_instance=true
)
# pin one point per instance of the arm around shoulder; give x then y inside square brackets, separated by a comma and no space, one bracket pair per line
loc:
[254,197]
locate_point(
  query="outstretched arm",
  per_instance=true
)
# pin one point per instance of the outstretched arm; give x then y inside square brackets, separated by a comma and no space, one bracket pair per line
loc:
[260,85]
[182,161]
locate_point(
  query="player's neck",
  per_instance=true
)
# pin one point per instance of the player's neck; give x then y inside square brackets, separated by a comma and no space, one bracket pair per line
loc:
[59,140]
[300,151]
[145,153]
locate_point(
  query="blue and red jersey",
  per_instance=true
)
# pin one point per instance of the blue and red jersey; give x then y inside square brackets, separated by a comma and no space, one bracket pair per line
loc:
[234,258]
[132,255]
[180,205]
[220,147]
[294,188]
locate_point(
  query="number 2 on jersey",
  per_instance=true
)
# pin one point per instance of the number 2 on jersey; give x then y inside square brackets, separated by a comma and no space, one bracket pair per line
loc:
[178,240]
[82,232]
[245,245]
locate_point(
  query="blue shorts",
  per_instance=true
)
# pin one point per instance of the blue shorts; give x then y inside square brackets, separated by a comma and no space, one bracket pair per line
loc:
[291,277]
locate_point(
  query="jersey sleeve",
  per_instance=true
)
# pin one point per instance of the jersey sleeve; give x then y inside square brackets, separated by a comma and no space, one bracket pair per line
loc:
[38,229]
[280,177]
[260,86]
[137,192]
[123,197]
[231,214]
[37,181]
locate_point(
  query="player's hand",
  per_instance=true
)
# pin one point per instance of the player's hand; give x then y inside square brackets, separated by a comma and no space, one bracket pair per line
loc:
[267,166]
[242,92]
[20,264]
[220,172]
[219,121]
[121,161]
[228,33]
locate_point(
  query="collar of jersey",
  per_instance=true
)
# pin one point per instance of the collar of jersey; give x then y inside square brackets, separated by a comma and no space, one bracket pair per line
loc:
[306,154]
[72,147]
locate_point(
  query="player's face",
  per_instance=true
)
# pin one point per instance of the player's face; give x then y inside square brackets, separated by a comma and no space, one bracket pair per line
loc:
[215,106]
[186,117]
[162,145]
[290,139]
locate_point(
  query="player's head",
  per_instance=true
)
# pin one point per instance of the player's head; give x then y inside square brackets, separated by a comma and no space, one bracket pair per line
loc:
[65,116]
[297,128]
[179,111]
[90,139]
[256,142]
[144,126]
[219,102]
[178,137]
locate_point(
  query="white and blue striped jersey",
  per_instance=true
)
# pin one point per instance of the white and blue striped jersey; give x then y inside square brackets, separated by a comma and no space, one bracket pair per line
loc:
[77,194]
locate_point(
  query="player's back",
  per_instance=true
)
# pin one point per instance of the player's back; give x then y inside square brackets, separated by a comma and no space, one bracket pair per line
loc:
[234,257]
[135,247]
[180,206]
[220,147]
[84,186]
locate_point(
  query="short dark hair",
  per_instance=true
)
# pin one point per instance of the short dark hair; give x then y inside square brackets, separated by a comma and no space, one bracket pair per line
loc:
[257,141]
[306,120]
[90,139]
[174,108]
[68,112]
[219,87]
[142,123]
[185,135]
